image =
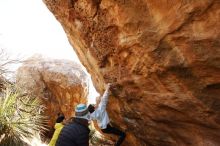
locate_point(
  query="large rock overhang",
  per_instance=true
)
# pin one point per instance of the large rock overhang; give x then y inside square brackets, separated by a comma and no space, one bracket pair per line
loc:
[164,59]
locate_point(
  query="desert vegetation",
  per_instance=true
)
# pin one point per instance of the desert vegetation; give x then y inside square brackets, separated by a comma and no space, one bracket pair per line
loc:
[20,114]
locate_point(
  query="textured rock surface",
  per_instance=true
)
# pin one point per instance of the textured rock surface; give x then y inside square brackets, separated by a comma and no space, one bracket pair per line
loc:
[163,56]
[60,83]
[2,81]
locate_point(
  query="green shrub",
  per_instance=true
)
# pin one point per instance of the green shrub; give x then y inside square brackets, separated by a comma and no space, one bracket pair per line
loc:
[20,117]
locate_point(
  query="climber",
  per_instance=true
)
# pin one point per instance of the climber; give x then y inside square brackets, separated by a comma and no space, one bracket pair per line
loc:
[100,114]
[76,132]
[58,127]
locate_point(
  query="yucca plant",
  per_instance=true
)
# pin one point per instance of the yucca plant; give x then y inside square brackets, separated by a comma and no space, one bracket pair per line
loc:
[20,117]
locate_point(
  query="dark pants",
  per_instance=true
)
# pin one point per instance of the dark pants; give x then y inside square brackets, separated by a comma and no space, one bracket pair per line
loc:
[115,131]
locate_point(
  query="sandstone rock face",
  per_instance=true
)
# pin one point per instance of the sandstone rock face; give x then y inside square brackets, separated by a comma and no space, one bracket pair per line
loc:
[163,57]
[60,83]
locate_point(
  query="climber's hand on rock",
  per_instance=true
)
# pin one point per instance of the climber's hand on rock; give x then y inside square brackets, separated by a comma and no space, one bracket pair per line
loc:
[108,86]
[113,87]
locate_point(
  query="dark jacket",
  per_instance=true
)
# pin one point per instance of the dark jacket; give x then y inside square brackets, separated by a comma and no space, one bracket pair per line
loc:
[76,133]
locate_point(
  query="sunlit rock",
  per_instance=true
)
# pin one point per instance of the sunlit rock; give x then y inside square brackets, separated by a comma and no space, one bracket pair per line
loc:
[163,57]
[60,83]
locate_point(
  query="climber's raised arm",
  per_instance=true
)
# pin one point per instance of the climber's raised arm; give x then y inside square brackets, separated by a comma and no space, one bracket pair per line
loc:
[104,99]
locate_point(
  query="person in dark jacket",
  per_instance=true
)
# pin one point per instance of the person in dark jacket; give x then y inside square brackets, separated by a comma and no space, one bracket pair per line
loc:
[76,133]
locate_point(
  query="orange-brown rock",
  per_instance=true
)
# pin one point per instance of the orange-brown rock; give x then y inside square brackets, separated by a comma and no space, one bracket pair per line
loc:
[60,83]
[163,57]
